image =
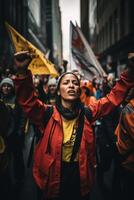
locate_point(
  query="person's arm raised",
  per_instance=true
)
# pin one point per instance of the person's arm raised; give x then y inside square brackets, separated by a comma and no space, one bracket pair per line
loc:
[25,91]
[117,95]
[22,60]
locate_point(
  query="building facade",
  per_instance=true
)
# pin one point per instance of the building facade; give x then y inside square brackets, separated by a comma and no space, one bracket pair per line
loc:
[84,18]
[115,34]
[56,33]
[34,20]
[111,29]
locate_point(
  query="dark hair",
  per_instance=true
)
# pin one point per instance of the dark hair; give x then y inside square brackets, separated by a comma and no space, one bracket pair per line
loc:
[77,102]
[64,74]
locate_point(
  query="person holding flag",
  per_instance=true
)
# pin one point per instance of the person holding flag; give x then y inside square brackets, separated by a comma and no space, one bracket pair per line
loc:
[64,159]
[40,64]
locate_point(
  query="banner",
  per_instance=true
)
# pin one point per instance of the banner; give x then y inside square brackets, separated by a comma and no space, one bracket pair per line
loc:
[39,64]
[83,55]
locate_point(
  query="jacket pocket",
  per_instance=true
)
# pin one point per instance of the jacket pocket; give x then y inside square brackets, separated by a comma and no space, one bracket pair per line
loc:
[45,164]
[41,170]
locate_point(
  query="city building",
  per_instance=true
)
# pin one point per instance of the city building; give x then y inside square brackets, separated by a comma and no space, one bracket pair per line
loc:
[111,29]
[36,20]
[115,35]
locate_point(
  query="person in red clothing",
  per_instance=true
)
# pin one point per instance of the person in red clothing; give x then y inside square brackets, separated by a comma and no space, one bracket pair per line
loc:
[125,145]
[64,160]
[87,92]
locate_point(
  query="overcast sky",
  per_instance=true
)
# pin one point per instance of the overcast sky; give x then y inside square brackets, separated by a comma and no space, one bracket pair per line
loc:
[70,10]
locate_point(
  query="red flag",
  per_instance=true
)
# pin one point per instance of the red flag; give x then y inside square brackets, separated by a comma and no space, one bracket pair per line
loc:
[83,55]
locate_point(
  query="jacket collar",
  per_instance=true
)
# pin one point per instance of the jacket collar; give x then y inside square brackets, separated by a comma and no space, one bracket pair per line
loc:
[57,116]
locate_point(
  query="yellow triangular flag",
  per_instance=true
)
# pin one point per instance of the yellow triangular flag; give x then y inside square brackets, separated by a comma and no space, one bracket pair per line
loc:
[40,64]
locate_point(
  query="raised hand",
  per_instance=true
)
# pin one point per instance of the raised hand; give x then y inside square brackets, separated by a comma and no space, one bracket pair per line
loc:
[21,60]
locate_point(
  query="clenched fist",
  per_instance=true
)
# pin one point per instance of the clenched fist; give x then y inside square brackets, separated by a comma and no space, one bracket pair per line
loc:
[22,59]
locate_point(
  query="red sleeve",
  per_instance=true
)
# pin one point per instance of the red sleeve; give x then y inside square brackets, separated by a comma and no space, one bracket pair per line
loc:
[26,97]
[118,93]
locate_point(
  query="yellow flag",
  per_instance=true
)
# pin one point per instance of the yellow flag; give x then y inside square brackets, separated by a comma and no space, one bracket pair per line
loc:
[39,64]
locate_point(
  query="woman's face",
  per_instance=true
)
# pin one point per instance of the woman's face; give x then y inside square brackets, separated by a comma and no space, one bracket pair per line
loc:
[69,88]
[6,89]
[52,89]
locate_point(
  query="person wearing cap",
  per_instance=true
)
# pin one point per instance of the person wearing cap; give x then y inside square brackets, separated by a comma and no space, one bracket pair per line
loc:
[13,141]
[52,89]
[59,171]
[6,88]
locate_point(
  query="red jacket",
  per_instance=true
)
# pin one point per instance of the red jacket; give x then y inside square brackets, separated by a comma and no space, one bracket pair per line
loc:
[125,136]
[47,171]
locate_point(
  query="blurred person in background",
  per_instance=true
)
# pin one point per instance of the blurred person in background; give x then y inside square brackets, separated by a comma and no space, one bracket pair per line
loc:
[14,138]
[87,94]
[110,68]
[52,91]
[125,145]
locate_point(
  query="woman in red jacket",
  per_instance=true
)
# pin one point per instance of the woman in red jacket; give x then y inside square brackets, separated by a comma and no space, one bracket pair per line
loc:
[64,160]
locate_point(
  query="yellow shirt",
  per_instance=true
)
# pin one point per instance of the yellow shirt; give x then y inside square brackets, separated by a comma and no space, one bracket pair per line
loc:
[69,130]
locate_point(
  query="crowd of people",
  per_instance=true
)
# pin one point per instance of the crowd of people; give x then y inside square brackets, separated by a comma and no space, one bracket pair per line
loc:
[59,136]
